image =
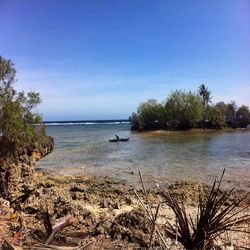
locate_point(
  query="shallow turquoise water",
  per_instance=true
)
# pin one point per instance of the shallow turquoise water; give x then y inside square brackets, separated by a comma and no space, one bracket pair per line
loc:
[173,156]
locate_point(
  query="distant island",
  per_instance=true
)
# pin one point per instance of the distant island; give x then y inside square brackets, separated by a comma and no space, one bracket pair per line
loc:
[183,110]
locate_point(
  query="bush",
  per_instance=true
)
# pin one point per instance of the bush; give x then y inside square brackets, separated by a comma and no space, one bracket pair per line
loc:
[134,120]
[243,113]
[150,115]
[214,118]
[17,121]
[183,110]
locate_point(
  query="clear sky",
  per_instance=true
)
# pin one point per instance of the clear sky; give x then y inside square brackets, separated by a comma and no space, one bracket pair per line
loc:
[99,59]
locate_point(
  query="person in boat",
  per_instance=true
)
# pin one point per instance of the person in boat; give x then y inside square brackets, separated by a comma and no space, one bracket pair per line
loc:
[118,139]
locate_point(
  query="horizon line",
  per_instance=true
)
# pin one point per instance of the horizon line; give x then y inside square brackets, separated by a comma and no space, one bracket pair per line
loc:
[88,120]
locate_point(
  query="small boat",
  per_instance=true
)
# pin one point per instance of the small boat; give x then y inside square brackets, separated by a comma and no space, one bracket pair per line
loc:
[118,139]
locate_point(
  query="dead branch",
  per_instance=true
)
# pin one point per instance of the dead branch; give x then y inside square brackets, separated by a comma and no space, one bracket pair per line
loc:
[66,221]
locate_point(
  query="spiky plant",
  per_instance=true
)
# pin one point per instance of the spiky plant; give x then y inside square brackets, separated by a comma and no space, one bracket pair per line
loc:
[214,217]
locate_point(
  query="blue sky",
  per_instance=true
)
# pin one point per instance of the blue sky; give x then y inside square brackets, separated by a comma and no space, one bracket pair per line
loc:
[100,59]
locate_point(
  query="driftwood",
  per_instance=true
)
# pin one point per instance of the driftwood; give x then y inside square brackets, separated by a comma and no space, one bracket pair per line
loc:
[66,221]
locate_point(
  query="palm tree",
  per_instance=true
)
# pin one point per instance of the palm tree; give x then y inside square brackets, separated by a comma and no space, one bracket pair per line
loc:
[206,98]
[205,94]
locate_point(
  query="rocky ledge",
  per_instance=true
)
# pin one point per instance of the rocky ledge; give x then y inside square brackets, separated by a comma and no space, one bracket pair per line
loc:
[17,170]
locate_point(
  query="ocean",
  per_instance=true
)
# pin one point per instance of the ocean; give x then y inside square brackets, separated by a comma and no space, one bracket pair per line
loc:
[83,147]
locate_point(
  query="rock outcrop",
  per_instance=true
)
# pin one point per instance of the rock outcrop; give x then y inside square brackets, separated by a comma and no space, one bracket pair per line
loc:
[17,171]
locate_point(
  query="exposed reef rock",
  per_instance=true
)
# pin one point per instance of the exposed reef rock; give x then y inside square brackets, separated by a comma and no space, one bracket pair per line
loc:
[17,170]
[107,214]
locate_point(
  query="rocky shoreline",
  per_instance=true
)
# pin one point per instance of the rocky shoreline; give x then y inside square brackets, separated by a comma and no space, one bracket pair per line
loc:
[91,212]
[106,213]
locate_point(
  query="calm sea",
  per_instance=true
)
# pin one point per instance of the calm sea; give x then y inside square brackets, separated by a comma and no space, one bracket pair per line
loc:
[83,147]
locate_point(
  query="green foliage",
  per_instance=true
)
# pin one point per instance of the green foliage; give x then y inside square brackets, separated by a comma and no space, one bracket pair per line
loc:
[222,107]
[134,120]
[150,115]
[243,113]
[183,109]
[17,121]
[228,110]
[215,118]
[234,118]
[231,109]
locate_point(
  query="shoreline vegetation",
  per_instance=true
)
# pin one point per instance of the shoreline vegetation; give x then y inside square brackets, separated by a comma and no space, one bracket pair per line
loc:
[185,110]
[41,211]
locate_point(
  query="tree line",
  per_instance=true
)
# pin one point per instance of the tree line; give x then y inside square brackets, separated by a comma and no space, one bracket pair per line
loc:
[186,110]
